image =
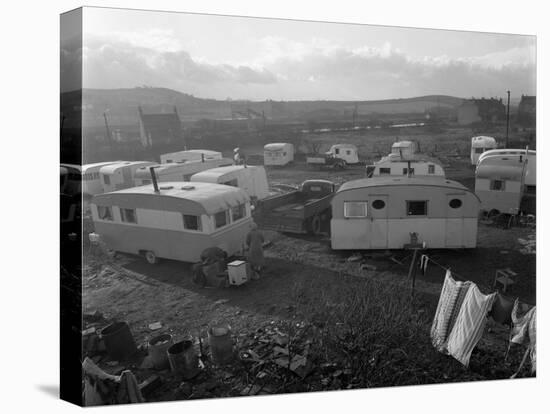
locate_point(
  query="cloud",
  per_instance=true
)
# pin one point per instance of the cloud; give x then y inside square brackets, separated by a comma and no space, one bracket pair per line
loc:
[120,63]
[317,69]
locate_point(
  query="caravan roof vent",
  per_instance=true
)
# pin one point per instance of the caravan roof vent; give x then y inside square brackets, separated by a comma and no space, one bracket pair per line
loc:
[188,187]
[166,187]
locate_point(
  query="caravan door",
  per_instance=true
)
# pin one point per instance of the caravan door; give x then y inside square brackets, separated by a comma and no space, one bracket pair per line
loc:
[454,221]
[378,218]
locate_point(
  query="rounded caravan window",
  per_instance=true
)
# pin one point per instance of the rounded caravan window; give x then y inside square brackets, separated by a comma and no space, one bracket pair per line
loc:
[455,203]
[378,204]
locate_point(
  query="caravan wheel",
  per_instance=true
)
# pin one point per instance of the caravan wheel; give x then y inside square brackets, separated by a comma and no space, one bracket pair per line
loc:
[315,226]
[151,257]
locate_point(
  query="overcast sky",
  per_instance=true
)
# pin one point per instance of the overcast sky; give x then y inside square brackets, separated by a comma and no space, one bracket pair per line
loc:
[244,58]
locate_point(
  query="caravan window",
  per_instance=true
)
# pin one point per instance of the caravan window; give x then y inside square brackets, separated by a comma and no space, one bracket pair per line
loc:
[355,209]
[221,218]
[431,169]
[480,150]
[105,213]
[378,204]
[497,185]
[384,171]
[455,203]
[191,222]
[417,208]
[128,215]
[348,152]
[238,212]
[410,169]
[106,180]
[337,150]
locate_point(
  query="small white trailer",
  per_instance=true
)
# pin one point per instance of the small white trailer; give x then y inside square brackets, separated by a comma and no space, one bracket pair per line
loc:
[405,149]
[346,152]
[395,165]
[190,155]
[251,178]
[178,171]
[480,144]
[278,154]
[173,220]
[91,179]
[383,213]
[504,181]
[120,175]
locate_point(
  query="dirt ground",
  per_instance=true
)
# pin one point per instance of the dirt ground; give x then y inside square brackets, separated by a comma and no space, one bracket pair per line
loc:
[126,288]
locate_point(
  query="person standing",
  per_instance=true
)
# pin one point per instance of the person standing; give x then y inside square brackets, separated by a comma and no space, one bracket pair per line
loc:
[238,157]
[254,242]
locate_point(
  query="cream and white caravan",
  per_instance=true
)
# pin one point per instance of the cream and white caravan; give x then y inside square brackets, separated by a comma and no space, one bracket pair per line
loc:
[174,220]
[383,212]
[479,146]
[346,152]
[120,175]
[503,181]
[504,152]
[91,180]
[190,155]
[278,154]
[177,171]
[405,149]
[394,165]
[250,178]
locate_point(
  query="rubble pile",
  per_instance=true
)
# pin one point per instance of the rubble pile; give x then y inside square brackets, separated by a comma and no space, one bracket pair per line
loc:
[529,245]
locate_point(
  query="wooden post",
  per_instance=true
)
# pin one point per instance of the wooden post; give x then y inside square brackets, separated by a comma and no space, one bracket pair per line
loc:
[412,270]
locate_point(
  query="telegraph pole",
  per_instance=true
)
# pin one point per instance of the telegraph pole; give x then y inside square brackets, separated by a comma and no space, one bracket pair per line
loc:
[507,118]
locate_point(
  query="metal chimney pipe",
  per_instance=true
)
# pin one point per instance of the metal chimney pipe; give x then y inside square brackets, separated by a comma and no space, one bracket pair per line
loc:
[154,178]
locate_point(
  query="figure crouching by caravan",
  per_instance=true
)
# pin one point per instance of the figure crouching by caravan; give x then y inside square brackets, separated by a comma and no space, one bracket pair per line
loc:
[383,212]
[173,220]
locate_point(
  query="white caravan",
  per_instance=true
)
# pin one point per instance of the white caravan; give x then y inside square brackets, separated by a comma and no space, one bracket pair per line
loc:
[385,212]
[120,175]
[91,180]
[278,153]
[394,165]
[177,171]
[405,149]
[481,144]
[346,152]
[250,178]
[502,181]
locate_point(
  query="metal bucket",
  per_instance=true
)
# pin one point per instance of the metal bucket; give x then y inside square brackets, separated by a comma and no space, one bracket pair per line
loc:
[158,347]
[119,341]
[221,344]
[183,359]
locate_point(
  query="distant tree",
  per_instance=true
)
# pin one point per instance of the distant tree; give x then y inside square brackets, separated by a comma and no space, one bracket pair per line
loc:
[312,145]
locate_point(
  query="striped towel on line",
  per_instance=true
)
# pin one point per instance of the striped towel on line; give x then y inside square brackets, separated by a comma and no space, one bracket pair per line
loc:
[469,324]
[448,307]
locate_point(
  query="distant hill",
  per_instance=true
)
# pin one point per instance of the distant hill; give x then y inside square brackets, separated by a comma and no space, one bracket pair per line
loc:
[121,106]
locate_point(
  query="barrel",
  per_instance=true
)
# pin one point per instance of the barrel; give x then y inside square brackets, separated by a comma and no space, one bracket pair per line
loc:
[221,344]
[183,359]
[158,347]
[119,341]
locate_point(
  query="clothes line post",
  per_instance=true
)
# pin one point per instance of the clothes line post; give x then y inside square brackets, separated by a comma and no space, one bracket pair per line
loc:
[415,247]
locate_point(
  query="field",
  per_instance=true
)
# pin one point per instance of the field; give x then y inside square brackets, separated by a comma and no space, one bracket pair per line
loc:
[348,317]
